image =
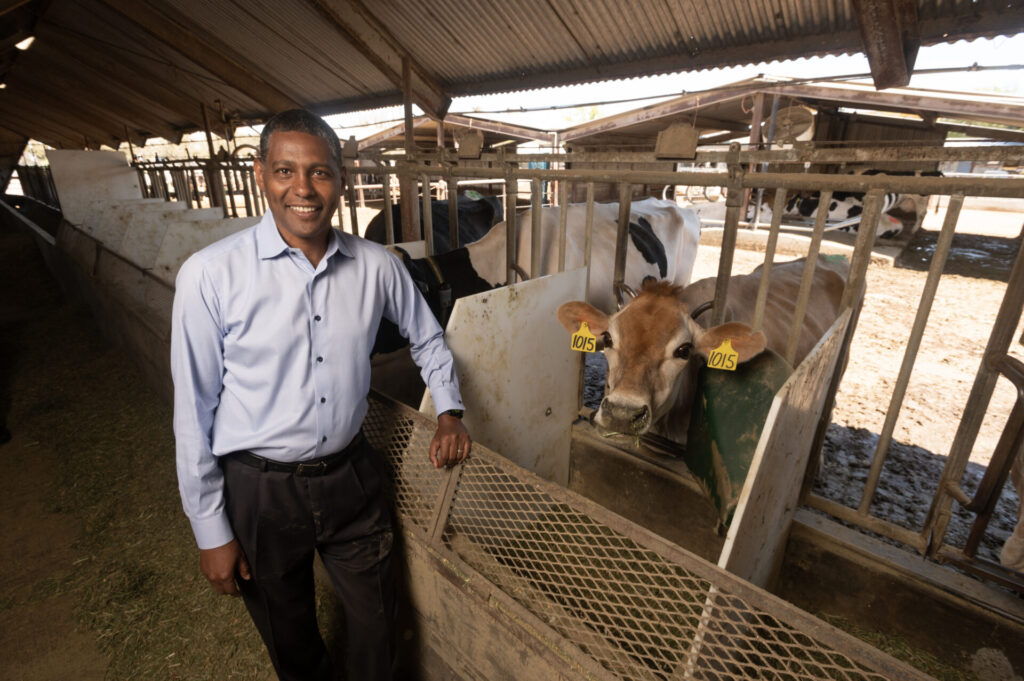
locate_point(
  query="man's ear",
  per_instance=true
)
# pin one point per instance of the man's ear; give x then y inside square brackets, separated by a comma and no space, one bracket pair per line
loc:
[745,341]
[571,315]
[257,171]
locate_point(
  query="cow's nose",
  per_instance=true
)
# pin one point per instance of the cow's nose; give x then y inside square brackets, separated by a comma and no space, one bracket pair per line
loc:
[640,418]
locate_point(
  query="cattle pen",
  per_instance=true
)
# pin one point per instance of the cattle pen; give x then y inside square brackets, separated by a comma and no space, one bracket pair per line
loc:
[126,250]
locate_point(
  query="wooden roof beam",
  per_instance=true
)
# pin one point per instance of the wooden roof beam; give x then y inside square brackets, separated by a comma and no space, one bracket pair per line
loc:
[890,35]
[101,61]
[360,28]
[34,127]
[185,36]
[106,100]
[63,108]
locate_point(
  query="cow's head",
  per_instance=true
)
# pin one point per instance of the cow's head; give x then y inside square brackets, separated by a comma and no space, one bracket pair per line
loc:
[652,346]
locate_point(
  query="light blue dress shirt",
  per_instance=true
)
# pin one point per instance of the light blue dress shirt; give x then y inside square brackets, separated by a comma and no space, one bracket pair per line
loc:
[271,355]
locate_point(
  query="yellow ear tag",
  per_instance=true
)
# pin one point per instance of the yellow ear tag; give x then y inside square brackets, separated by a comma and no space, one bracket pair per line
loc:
[583,340]
[724,357]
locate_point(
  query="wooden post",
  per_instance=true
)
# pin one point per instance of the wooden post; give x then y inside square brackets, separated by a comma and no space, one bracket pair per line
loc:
[407,181]
[214,187]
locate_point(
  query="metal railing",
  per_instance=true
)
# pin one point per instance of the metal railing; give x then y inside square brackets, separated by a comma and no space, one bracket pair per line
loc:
[366,177]
[738,182]
[612,600]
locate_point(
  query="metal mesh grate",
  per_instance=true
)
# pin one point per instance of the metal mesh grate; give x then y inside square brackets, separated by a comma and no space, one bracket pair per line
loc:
[636,612]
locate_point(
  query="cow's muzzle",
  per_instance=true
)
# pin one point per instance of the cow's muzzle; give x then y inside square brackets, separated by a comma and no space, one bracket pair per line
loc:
[627,419]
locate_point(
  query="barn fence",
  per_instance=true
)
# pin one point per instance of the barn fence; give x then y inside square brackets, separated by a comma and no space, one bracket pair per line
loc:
[609,599]
[743,175]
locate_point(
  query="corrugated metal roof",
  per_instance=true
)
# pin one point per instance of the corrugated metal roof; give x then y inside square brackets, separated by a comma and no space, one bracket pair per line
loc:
[103,70]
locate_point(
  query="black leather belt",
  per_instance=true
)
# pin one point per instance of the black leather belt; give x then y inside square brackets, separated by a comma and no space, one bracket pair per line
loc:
[310,468]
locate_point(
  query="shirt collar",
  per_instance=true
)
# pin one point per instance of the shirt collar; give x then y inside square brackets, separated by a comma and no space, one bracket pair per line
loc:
[270,244]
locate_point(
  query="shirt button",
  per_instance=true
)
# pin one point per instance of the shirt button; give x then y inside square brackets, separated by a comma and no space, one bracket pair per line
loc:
[322,400]
[319,359]
[323,439]
[316,318]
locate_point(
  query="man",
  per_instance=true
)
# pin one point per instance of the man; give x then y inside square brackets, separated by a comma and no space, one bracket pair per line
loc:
[270,346]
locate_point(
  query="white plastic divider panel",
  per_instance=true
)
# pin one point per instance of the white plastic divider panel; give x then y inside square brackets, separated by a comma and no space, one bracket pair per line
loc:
[606,597]
[82,177]
[518,375]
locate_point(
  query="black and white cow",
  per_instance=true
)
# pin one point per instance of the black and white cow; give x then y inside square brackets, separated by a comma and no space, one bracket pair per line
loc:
[476,217]
[663,244]
[898,211]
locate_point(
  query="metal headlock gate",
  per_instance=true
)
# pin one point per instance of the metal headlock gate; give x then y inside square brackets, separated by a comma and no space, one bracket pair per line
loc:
[748,171]
[739,179]
[604,598]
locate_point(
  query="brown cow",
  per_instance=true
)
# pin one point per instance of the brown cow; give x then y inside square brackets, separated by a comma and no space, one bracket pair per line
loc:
[651,382]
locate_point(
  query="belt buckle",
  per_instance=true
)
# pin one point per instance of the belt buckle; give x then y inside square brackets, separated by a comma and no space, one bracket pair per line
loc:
[311,469]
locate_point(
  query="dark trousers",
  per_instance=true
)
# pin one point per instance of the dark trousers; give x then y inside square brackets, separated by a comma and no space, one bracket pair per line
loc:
[279,519]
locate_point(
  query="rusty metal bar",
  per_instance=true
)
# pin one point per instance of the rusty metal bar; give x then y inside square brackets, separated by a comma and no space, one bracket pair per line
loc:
[453,209]
[733,205]
[769,258]
[871,523]
[536,218]
[1009,449]
[804,296]
[870,153]
[1003,330]
[511,194]
[625,199]
[389,218]
[996,187]
[428,217]
[924,308]
[857,277]
[444,505]
[563,216]
[589,238]
[351,179]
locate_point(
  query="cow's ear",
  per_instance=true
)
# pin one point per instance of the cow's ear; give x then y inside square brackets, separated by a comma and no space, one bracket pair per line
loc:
[745,341]
[571,315]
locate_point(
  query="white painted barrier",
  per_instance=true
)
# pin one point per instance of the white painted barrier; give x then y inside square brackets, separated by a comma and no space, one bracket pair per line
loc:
[519,378]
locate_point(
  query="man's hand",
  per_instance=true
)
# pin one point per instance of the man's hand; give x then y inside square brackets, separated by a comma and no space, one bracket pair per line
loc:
[222,564]
[451,442]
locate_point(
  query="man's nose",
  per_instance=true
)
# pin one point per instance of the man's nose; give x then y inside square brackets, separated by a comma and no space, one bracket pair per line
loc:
[303,185]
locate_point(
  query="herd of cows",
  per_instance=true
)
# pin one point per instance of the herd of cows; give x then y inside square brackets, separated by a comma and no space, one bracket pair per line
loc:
[656,342]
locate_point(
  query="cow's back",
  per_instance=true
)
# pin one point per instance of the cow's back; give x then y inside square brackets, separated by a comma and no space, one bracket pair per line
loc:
[780,306]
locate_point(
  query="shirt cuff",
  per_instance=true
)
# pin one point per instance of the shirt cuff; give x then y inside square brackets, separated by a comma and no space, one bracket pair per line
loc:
[446,398]
[213,531]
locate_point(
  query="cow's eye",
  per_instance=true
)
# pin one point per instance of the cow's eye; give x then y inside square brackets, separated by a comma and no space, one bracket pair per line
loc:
[683,351]
[606,340]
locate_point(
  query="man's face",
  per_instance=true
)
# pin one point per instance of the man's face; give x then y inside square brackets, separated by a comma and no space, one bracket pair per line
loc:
[302,183]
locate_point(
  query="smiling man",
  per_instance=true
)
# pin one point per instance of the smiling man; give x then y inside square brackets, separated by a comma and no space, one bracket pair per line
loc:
[271,335]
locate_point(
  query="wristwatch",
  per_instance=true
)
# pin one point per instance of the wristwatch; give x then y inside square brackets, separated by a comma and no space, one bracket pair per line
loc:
[457,413]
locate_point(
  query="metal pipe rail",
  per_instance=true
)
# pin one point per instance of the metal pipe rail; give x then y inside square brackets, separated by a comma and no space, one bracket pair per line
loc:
[800,153]
[993,187]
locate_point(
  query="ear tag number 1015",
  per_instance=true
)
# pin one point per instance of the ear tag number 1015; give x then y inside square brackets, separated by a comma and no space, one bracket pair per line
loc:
[724,357]
[583,340]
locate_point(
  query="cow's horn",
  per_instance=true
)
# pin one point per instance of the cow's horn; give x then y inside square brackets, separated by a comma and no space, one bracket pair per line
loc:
[701,309]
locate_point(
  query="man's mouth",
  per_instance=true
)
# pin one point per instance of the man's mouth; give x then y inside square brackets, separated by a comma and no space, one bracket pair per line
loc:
[305,210]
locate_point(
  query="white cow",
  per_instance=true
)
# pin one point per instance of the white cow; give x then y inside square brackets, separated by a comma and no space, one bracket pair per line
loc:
[662,243]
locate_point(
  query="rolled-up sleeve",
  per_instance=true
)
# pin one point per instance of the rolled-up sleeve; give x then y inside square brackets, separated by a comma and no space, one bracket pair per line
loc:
[197,367]
[410,312]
